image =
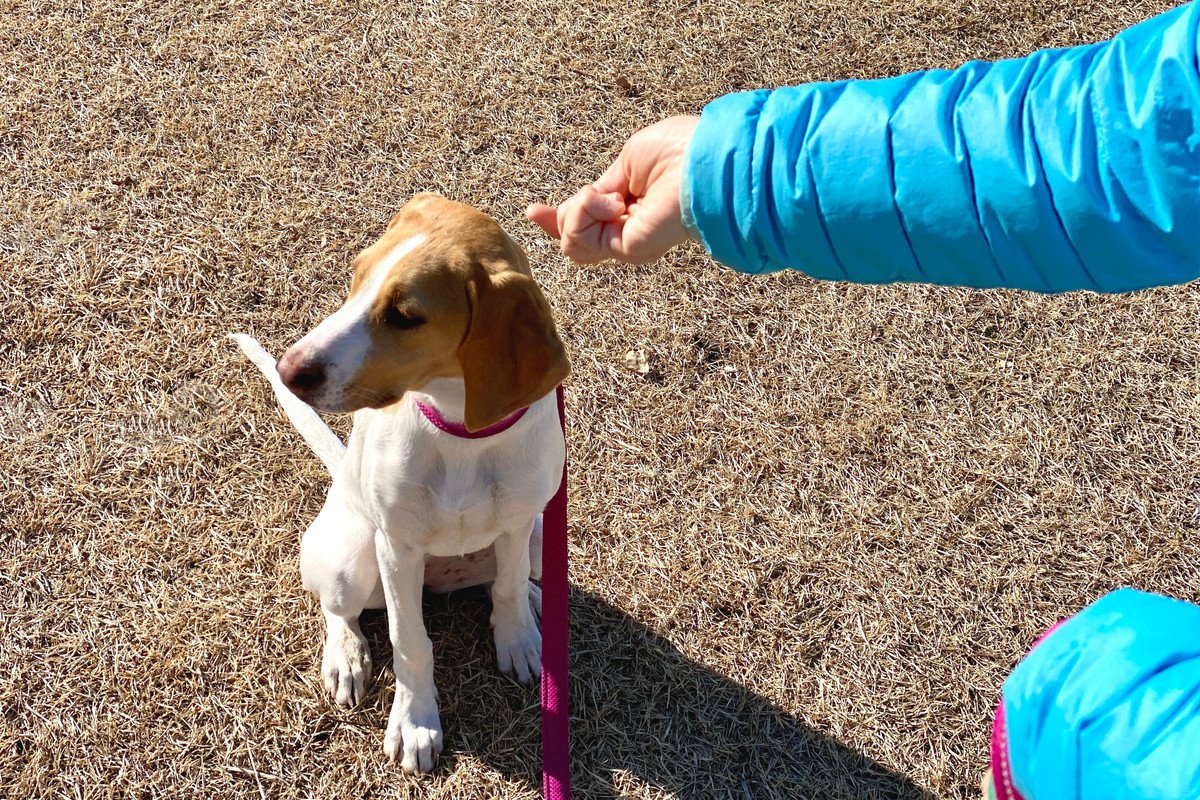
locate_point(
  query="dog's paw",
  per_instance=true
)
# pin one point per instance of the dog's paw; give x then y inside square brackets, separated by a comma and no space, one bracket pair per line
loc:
[346,666]
[519,651]
[417,744]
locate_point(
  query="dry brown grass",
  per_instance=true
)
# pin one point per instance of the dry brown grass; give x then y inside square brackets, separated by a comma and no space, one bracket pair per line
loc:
[807,545]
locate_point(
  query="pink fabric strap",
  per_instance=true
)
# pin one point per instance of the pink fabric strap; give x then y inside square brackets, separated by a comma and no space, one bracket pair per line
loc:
[1002,774]
[556,749]
[1002,779]
[460,430]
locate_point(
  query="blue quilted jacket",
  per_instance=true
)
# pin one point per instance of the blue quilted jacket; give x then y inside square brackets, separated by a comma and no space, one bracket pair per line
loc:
[1107,707]
[1068,169]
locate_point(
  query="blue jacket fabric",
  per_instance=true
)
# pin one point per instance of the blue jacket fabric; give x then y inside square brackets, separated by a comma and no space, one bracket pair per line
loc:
[1069,169]
[1108,706]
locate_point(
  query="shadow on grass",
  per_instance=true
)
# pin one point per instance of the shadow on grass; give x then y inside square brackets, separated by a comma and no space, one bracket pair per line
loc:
[641,713]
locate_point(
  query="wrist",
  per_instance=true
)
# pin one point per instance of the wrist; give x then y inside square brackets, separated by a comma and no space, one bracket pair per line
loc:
[685,127]
[685,199]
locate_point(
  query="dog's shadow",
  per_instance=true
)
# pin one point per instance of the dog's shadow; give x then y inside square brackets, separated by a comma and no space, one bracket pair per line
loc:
[641,713]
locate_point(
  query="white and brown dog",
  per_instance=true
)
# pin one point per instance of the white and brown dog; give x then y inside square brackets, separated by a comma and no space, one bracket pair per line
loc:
[447,354]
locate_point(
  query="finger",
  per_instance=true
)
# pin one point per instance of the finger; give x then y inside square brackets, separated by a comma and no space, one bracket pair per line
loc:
[603,207]
[649,231]
[577,212]
[545,217]
[578,231]
[583,220]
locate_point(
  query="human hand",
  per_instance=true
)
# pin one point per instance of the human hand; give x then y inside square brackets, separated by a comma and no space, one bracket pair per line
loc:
[632,212]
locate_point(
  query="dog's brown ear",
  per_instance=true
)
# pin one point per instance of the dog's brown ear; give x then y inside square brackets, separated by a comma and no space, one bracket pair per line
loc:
[511,355]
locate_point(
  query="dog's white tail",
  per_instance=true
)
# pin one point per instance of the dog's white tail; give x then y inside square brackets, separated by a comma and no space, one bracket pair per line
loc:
[319,436]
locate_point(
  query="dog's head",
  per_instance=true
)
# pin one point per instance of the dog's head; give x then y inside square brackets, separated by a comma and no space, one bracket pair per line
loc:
[443,293]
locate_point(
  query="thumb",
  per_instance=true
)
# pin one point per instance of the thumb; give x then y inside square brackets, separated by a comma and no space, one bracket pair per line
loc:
[546,218]
[615,179]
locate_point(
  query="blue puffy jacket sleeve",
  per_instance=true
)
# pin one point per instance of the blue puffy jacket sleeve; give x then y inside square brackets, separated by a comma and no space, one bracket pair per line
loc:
[1107,707]
[1068,169]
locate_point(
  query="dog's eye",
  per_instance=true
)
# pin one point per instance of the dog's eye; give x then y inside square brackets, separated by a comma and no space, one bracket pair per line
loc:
[402,320]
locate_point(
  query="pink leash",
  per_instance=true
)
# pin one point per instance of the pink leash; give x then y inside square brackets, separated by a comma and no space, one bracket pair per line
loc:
[556,749]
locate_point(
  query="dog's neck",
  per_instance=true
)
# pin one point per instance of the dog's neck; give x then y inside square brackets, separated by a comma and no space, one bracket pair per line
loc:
[446,396]
[443,402]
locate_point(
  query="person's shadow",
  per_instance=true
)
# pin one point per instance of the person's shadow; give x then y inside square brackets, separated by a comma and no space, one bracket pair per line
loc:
[641,713]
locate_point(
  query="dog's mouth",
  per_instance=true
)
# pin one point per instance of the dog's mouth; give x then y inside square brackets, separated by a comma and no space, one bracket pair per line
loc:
[351,399]
[379,400]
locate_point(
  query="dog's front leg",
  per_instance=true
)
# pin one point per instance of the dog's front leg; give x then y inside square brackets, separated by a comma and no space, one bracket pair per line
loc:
[414,731]
[515,628]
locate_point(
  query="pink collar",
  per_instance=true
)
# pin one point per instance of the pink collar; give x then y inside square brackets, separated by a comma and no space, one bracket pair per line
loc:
[460,430]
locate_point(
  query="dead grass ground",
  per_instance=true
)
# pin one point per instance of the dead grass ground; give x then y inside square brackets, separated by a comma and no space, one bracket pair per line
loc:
[808,545]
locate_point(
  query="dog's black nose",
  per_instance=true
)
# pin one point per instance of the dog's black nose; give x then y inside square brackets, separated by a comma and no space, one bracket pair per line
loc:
[301,379]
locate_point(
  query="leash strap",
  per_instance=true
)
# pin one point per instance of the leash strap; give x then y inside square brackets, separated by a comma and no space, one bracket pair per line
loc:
[556,748]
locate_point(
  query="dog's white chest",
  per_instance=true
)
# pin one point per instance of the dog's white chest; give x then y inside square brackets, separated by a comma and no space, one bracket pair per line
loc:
[447,510]
[462,512]
[442,495]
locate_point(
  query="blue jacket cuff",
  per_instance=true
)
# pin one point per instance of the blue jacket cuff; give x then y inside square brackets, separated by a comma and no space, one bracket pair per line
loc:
[716,175]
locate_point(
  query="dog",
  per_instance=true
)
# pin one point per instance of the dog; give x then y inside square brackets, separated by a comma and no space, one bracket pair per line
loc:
[447,354]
